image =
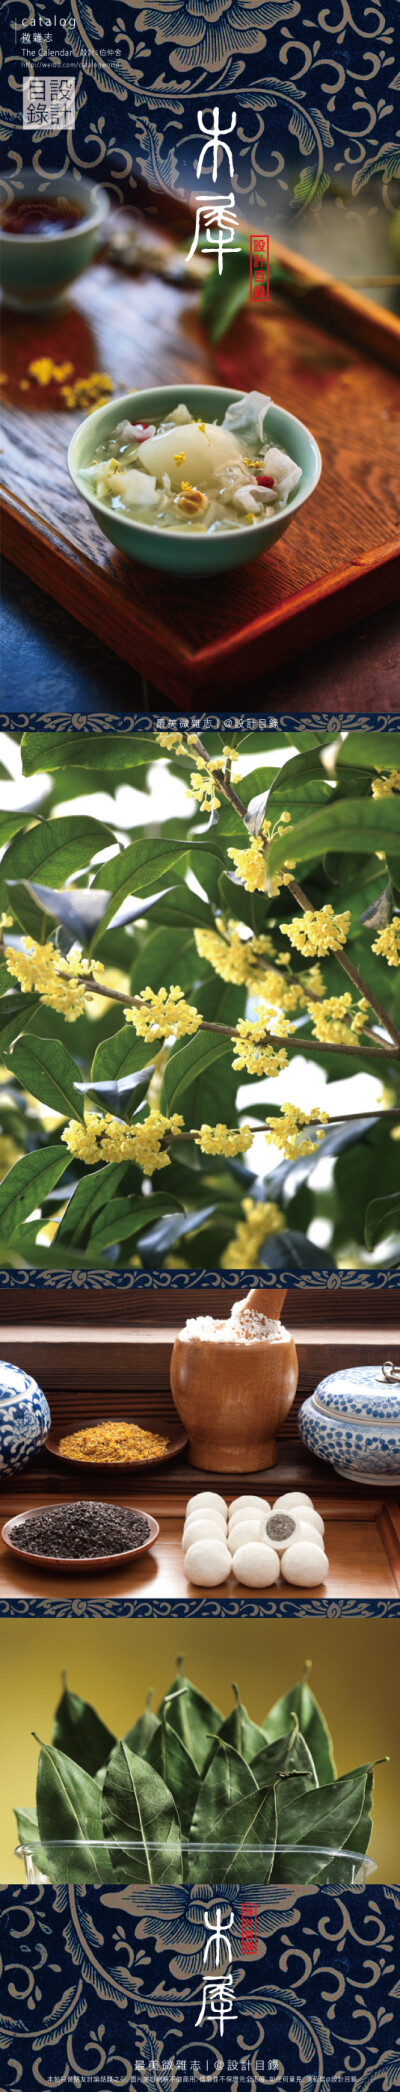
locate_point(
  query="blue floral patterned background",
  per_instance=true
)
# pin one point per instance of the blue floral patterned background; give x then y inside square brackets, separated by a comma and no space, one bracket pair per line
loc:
[316,90]
[105,1987]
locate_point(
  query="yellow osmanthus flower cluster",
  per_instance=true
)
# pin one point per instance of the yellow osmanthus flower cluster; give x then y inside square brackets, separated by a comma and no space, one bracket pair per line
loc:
[253,1051]
[251,864]
[234,958]
[336,1017]
[163,1011]
[205,779]
[224,1140]
[384,787]
[56,980]
[260,1220]
[106,1139]
[287,1132]
[318,931]
[387,943]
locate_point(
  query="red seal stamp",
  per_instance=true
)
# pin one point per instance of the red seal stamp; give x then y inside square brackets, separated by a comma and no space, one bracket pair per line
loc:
[259,267]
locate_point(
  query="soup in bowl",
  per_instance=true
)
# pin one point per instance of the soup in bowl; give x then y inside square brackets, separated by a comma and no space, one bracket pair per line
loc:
[193,479]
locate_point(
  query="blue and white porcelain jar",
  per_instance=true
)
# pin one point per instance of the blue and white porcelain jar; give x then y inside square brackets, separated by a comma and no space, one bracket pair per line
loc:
[24,1418]
[353,1420]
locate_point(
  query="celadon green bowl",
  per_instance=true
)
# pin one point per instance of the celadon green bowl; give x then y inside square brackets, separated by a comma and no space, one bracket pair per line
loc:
[35,272]
[176,552]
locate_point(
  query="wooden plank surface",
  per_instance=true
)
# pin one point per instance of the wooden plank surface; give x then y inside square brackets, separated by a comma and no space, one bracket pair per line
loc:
[363,1546]
[75,1362]
[341,555]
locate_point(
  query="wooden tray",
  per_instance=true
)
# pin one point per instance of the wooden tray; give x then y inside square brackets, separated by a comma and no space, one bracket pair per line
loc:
[363,1545]
[329,357]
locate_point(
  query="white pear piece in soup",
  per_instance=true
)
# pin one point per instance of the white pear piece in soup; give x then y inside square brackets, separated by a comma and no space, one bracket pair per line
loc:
[193,452]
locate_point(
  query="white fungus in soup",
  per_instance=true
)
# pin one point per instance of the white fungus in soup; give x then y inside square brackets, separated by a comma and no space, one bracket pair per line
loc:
[205,476]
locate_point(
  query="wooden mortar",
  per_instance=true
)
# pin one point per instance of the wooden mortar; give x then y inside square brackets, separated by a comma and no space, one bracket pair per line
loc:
[232,1397]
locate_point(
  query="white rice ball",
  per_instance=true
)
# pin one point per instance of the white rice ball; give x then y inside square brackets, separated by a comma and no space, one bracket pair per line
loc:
[309,1532]
[313,1518]
[248,1503]
[246,1529]
[291,1500]
[256,1565]
[280,1529]
[201,1529]
[304,1564]
[208,1562]
[206,1499]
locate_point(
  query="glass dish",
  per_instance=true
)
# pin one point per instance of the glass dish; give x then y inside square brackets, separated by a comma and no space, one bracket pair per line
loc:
[292,1864]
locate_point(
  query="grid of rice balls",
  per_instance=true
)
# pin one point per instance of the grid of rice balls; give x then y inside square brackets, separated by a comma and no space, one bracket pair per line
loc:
[251,1541]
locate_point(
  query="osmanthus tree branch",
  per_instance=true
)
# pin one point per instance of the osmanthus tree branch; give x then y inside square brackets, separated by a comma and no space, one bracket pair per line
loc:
[353,975]
[293,1040]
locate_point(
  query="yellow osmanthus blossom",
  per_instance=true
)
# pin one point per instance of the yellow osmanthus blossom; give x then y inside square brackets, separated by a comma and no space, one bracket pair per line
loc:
[252,1050]
[6,922]
[260,1220]
[251,864]
[387,943]
[173,743]
[224,1140]
[318,931]
[106,1139]
[234,958]
[161,1012]
[384,787]
[286,1132]
[336,1017]
[55,979]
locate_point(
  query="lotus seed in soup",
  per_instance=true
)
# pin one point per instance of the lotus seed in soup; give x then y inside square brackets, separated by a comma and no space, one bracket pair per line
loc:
[183,474]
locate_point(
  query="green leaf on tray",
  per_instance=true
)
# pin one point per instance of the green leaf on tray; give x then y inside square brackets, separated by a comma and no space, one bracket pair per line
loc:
[26,1185]
[300,1701]
[54,849]
[69,1808]
[239,1730]
[138,1738]
[245,1841]
[192,1716]
[136,1806]
[227,1780]
[326,1817]
[288,1756]
[170,1758]
[355,825]
[80,1733]
[45,1067]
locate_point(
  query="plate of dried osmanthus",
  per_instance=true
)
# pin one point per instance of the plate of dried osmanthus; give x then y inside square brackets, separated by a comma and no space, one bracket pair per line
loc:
[119,1442]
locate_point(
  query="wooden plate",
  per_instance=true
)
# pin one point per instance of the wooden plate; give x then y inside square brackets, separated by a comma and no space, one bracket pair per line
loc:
[76,1563]
[175,1445]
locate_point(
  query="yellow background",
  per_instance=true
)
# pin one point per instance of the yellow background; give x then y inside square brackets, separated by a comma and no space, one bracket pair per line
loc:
[355,1676]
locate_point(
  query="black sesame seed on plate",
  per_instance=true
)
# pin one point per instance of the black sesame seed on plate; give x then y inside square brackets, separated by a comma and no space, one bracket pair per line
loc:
[79,1531]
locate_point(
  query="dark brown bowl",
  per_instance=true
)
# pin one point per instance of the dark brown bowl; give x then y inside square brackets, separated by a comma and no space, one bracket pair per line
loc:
[175,1445]
[77,1562]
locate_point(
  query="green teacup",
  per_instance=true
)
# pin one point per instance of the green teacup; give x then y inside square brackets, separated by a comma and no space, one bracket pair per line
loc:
[175,552]
[35,270]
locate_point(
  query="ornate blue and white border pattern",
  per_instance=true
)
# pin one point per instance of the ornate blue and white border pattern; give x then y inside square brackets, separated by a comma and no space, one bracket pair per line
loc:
[145,1281]
[200,722]
[199,1609]
[105,1986]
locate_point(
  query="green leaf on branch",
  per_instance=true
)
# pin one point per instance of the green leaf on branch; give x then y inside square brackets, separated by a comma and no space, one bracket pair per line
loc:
[115,752]
[45,1067]
[90,1197]
[356,825]
[26,1185]
[186,1062]
[122,1054]
[129,1216]
[137,870]
[136,1806]
[156,1243]
[31,918]
[55,849]
[376,752]
[16,1013]
[382,1218]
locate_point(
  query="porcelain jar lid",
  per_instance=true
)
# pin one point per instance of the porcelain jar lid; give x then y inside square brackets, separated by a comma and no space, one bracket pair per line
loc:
[367,1393]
